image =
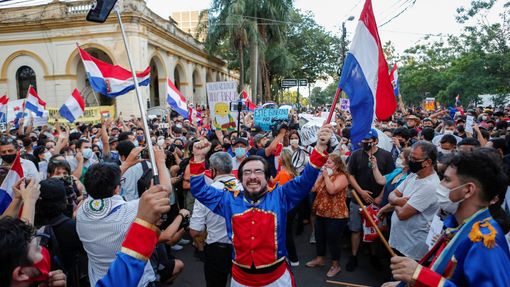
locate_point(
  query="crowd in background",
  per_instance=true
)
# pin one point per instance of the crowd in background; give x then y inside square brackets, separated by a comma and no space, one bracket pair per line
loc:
[83,182]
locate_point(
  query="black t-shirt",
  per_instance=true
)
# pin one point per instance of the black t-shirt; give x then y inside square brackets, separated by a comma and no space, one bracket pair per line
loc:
[359,166]
[68,241]
[270,161]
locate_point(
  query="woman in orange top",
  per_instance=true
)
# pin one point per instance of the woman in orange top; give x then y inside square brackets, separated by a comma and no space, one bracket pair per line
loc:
[286,173]
[332,213]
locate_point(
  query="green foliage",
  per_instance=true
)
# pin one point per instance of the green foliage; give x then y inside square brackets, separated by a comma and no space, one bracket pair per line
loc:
[324,96]
[473,63]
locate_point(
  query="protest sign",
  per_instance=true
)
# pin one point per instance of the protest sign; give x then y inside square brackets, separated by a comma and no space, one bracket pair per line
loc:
[264,117]
[219,96]
[469,124]
[13,108]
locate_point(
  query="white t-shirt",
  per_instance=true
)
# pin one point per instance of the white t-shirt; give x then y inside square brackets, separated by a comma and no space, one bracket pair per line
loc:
[29,170]
[409,236]
[129,188]
[203,218]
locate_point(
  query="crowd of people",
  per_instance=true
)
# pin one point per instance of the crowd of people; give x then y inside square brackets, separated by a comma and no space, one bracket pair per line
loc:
[88,211]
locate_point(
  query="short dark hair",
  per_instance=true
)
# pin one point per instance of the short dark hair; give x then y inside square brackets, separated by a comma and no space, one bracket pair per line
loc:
[125,147]
[54,163]
[101,179]
[5,140]
[403,132]
[124,136]
[448,139]
[428,133]
[27,141]
[267,172]
[428,149]
[80,143]
[15,237]
[469,141]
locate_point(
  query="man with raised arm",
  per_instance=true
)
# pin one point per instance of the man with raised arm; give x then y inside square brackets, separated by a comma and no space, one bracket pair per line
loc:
[256,217]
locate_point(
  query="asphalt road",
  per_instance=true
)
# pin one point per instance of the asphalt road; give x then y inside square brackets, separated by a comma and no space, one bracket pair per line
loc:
[365,274]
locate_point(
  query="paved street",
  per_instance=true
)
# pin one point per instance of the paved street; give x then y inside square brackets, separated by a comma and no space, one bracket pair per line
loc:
[364,275]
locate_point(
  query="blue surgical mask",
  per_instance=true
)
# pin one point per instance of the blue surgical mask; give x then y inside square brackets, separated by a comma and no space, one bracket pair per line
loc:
[87,153]
[240,152]
[135,143]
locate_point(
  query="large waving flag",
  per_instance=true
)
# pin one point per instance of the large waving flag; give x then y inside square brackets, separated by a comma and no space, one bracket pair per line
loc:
[176,100]
[34,103]
[110,80]
[3,108]
[394,80]
[365,78]
[74,107]
[251,106]
[6,192]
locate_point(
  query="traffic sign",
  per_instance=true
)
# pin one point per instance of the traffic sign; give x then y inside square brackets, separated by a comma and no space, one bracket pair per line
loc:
[303,82]
[287,83]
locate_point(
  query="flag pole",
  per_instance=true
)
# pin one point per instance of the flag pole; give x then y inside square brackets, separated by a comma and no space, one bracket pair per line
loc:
[333,105]
[148,140]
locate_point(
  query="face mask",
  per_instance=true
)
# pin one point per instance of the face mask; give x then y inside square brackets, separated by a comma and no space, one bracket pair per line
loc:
[367,146]
[329,171]
[415,167]
[161,142]
[444,151]
[139,138]
[294,142]
[135,143]
[448,132]
[47,156]
[9,158]
[240,152]
[398,163]
[87,153]
[43,265]
[226,146]
[484,118]
[445,203]
[179,126]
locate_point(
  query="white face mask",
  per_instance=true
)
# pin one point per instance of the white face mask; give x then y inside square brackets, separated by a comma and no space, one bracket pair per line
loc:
[398,163]
[329,171]
[443,151]
[47,156]
[445,203]
[294,142]
[448,132]
[87,153]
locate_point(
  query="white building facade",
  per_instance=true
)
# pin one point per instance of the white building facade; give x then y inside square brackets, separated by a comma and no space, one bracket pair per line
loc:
[38,47]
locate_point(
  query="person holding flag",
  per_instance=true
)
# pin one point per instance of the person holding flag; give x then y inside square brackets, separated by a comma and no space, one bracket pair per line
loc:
[3,108]
[8,152]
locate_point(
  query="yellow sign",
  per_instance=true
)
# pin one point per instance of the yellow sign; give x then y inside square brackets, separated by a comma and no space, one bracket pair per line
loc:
[91,114]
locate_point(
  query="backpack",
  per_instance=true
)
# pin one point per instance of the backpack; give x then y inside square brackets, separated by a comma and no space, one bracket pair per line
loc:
[79,275]
[144,182]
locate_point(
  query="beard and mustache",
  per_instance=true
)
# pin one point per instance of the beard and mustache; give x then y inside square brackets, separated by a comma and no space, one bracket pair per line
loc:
[254,195]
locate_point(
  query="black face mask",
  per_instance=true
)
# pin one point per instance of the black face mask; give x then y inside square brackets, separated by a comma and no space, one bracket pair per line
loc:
[226,146]
[367,146]
[9,158]
[415,166]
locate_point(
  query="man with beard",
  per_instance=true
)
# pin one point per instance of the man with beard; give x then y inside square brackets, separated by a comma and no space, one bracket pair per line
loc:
[256,218]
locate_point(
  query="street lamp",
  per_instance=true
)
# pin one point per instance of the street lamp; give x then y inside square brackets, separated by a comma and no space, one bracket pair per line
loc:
[343,45]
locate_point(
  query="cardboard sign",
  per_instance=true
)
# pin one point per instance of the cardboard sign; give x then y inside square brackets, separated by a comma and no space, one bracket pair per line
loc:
[219,96]
[469,124]
[264,117]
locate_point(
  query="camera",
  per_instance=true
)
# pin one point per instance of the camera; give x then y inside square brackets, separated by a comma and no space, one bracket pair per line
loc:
[184,223]
[277,125]
[71,197]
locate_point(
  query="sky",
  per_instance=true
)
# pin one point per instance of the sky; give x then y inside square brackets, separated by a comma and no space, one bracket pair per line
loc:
[436,17]
[425,17]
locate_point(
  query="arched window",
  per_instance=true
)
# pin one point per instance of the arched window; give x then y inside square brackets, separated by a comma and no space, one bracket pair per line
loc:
[25,76]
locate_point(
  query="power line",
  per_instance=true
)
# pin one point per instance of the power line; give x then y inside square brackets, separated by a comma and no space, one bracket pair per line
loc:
[398,14]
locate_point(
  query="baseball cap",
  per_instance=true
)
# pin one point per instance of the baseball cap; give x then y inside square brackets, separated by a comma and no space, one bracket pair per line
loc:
[240,140]
[372,134]
[257,138]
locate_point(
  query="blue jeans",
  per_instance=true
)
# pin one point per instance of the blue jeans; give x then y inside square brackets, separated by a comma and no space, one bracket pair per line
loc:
[328,232]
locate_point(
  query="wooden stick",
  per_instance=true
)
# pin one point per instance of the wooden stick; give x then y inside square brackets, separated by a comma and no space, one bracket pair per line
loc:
[369,217]
[345,284]
[332,109]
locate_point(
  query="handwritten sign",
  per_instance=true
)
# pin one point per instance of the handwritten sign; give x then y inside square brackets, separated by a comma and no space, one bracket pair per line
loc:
[264,117]
[219,95]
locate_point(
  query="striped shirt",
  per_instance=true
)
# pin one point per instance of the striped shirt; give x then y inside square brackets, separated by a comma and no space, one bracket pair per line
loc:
[102,225]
